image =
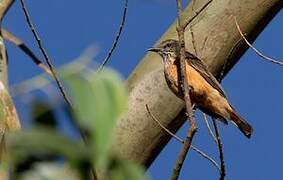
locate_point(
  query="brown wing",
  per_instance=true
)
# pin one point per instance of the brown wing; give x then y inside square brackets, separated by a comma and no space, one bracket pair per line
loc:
[198,65]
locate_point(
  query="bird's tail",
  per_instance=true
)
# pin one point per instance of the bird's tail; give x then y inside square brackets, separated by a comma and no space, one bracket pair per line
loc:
[244,126]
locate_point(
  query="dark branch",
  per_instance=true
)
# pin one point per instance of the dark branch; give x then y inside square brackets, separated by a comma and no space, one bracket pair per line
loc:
[59,84]
[115,42]
[196,13]
[200,152]
[209,128]
[221,153]
[163,127]
[181,157]
[185,88]
[20,44]
[216,137]
[43,51]
[279,62]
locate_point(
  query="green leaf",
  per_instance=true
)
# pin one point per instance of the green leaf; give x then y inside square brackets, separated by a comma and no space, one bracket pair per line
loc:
[82,98]
[133,171]
[99,100]
[45,141]
[127,170]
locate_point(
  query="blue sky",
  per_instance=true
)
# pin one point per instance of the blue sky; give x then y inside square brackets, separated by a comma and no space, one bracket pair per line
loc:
[253,86]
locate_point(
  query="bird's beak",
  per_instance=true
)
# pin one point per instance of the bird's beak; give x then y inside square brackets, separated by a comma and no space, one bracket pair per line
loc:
[154,49]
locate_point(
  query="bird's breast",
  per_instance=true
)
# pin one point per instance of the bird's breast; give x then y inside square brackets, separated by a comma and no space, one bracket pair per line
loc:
[200,88]
[202,93]
[172,79]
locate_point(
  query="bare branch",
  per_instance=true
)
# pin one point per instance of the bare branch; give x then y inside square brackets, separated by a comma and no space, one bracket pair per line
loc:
[185,89]
[163,127]
[43,51]
[147,80]
[203,154]
[200,152]
[58,82]
[221,153]
[279,62]
[115,42]
[182,24]
[39,82]
[20,44]
[217,135]
[209,128]
[181,158]
[180,30]
[196,13]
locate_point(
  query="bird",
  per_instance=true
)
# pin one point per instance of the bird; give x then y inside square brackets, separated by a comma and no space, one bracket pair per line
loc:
[205,91]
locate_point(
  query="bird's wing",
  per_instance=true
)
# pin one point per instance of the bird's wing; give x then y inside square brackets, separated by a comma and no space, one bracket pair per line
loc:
[198,65]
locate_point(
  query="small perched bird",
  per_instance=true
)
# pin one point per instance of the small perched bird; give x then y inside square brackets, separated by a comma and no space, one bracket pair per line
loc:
[205,91]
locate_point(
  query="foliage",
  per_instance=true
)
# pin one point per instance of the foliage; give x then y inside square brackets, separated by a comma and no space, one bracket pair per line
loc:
[99,99]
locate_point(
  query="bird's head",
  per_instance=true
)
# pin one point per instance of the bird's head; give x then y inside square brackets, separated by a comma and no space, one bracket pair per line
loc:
[168,50]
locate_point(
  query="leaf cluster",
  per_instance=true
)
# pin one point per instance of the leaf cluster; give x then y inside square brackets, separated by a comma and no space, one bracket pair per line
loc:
[43,152]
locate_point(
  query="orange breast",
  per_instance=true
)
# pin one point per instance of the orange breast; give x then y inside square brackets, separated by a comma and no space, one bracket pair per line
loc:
[202,93]
[199,85]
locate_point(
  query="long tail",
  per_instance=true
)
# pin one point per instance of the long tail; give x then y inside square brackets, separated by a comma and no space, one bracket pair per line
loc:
[244,127]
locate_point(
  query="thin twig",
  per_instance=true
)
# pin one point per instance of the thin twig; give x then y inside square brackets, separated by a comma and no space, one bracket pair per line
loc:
[163,127]
[20,44]
[216,137]
[221,153]
[181,158]
[43,51]
[39,82]
[203,154]
[196,13]
[185,89]
[59,84]
[279,62]
[115,42]
[200,152]
[180,30]
[209,128]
